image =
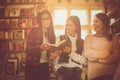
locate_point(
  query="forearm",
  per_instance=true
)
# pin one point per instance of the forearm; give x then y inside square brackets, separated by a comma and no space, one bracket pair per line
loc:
[115,54]
[98,53]
[77,57]
[113,58]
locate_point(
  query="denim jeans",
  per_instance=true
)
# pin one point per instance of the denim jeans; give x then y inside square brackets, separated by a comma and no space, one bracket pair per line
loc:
[64,73]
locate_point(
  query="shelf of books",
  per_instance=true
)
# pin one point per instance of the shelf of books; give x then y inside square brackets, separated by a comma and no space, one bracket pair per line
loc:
[16,20]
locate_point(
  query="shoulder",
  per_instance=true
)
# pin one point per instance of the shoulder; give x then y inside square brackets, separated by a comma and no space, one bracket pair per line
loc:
[88,37]
[63,37]
[35,30]
[35,33]
[81,40]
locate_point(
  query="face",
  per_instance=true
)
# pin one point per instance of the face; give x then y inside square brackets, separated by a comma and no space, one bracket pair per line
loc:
[97,24]
[70,28]
[45,20]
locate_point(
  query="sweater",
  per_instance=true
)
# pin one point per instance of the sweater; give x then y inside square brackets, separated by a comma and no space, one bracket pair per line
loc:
[98,48]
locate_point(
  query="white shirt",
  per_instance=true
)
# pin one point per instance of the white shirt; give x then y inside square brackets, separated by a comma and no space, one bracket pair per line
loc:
[43,57]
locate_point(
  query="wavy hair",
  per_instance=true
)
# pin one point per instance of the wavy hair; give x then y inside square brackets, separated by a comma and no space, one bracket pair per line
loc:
[106,24]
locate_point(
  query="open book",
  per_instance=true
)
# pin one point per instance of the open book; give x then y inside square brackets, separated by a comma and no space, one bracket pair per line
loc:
[55,49]
[58,44]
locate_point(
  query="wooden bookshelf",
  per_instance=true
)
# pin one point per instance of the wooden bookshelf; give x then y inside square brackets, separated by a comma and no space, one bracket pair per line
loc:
[14,28]
[4,3]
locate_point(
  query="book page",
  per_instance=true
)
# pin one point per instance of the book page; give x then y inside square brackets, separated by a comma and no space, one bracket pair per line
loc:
[58,44]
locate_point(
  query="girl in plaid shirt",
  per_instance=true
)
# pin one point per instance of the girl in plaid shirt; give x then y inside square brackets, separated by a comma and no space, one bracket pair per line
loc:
[37,67]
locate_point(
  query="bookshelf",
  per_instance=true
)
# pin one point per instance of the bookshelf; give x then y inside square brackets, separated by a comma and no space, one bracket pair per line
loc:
[17,17]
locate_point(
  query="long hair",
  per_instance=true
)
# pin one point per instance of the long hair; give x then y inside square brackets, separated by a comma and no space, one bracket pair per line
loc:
[106,24]
[77,24]
[50,33]
[79,41]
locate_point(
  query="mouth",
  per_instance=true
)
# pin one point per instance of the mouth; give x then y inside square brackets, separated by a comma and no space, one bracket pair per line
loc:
[67,31]
[47,24]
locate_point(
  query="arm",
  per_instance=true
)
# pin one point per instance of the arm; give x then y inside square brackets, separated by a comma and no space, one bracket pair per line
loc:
[87,44]
[54,51]
[97,53]
[54,54]
[91,53]
[77,57]
[115,54]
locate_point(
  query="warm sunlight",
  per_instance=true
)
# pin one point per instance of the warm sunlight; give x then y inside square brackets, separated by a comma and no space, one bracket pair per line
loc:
[60,16]
[82,14]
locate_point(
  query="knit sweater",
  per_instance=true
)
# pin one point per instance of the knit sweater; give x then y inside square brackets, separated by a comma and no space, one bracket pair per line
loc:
[98,48]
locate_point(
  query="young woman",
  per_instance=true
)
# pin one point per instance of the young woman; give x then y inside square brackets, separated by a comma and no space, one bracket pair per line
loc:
[37,48]
[68,61]
[101,50]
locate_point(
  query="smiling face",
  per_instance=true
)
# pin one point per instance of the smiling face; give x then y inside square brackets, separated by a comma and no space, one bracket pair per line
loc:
[97,24]
[70,28]
[45,20]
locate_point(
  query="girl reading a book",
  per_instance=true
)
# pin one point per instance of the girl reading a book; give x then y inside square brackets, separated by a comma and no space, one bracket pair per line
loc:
[68,58]
[37,67]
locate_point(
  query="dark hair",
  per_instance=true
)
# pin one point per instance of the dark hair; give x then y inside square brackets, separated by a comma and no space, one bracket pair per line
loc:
[106,24]
[77,24]
[50,33]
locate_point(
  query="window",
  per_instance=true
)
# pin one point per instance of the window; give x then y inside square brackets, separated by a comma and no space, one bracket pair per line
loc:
[84,33]
[59,32]
[60,16]
[86,19]
[82,14]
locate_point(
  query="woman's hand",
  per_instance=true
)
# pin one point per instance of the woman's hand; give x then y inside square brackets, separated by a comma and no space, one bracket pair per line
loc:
[67,49]
[92,59]
[54,54]
[44,47]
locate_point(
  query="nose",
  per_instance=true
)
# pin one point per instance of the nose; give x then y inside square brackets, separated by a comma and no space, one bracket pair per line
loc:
[67,26]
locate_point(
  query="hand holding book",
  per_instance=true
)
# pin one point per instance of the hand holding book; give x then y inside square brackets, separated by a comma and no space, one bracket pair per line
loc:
[44,47]
[54,54]
[58,44]
[55,49]
[67,49]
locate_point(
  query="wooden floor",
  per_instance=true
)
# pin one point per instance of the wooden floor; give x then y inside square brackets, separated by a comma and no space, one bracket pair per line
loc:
[15,78]
[21,77]
[12,78]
